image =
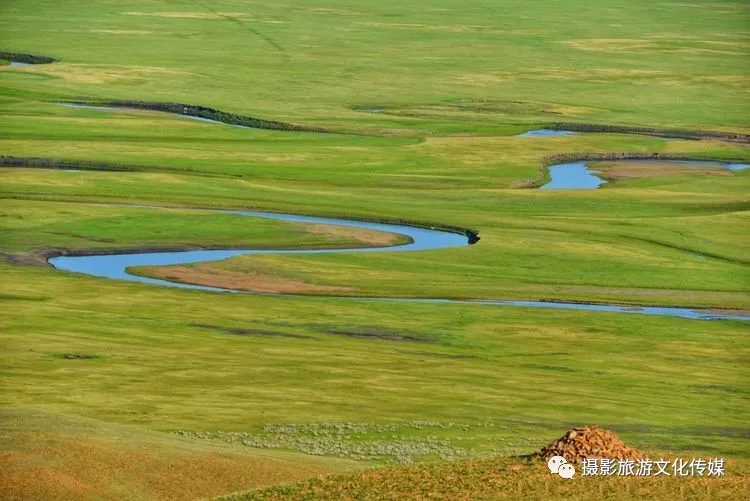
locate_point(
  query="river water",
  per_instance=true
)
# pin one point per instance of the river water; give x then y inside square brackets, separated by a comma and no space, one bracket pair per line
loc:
[569,176]
[115,266]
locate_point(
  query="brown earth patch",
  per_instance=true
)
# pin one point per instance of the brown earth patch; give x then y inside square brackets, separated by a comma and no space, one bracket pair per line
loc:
[205,274]
[634,170]
[725,311]
[79,356]
[507,479]
[81,468]
[364,236]
[22,479]
[588,442]
[26,258]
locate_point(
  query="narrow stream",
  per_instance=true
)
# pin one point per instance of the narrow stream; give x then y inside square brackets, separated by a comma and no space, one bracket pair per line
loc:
[120,108]
[115,266]
[569,176]
[547,133]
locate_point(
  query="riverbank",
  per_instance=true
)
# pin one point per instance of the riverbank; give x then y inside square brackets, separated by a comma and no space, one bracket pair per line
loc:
[203,112]
[18,57]
[734,137]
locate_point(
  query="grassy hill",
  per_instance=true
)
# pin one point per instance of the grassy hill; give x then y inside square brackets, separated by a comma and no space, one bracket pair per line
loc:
[508,478]
[56,456]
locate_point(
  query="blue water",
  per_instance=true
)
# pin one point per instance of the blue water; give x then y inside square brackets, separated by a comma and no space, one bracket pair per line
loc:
[208,120]
[577,175]
[88,106]
[18,63]
[736,167]
[547,133]
[553,133]
[643,310]
[570,176]
[115,265]
[422,239]
[573,176]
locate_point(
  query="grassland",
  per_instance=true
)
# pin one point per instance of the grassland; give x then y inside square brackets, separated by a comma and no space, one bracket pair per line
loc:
[314,60]
[452,84]
[53,456]
[509,478]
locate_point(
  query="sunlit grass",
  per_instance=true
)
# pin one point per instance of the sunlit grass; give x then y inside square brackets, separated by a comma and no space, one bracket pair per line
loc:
[448,86]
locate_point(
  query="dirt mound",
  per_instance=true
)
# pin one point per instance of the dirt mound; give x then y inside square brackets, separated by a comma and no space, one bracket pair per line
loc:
[588,442]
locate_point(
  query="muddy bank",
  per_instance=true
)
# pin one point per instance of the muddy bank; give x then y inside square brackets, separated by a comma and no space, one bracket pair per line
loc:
[60,164]
[258,283]
[117,266]
[472,236]
[734,137]
[726,311]
[204,112]
[99,166]
[635,169]
[562,159]
[18,57]
[42,256]
[615,156]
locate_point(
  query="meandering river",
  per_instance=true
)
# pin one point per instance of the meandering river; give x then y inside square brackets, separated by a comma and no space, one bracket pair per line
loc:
[115,266]
[563,176]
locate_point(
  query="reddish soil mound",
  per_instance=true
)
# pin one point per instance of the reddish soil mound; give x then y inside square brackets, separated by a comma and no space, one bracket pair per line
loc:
[580,443]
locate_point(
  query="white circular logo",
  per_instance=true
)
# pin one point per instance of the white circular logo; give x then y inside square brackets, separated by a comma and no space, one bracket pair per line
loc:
[566,470]
[555,463]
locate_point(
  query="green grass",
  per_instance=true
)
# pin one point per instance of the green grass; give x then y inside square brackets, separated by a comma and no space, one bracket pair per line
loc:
[167,361]
[34,226]
[456,82]
[690,260]
[47,455]
[685,59]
